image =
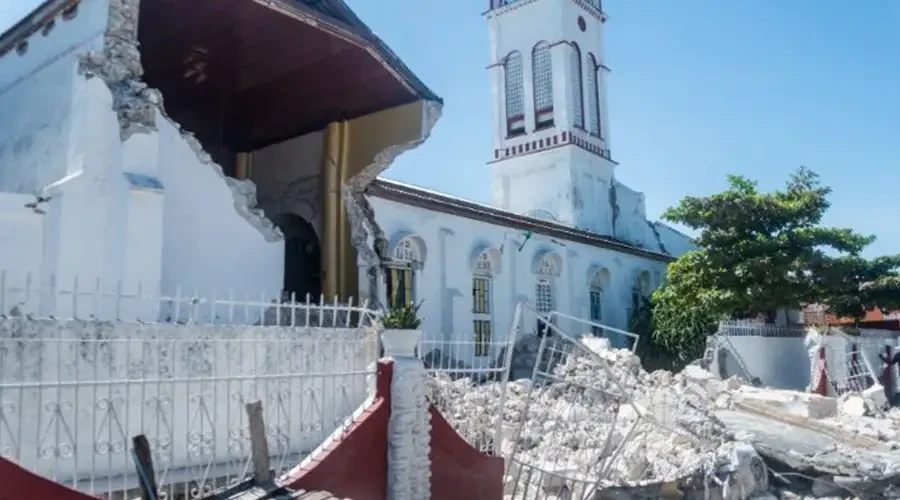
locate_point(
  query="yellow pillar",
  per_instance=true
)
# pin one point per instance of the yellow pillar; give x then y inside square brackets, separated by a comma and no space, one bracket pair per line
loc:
[242,165]
[349,285]
[332,167]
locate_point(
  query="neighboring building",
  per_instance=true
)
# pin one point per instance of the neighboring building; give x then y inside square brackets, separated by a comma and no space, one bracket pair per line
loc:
[270,92]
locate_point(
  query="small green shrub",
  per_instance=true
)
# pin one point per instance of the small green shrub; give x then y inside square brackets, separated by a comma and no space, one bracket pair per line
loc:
[403,317]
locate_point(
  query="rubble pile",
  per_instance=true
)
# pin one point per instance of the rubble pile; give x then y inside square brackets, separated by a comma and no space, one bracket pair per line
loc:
[594,416]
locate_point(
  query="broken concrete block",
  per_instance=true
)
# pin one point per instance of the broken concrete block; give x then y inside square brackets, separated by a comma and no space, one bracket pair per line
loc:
[697,375]
[788,402]
[875,395]
[595,344]
[852,405]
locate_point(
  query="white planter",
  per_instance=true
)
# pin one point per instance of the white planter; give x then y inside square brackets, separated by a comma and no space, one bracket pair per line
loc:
[400,343]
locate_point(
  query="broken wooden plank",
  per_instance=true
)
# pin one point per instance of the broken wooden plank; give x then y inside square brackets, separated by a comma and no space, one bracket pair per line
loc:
[143,462]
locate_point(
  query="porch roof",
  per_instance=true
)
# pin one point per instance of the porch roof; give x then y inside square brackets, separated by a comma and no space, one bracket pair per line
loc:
[273,69]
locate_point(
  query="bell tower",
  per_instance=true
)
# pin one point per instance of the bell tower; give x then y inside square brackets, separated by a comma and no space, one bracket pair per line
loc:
[551,156]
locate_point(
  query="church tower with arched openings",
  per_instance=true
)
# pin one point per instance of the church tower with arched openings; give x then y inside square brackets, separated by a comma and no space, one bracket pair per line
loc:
[551,151]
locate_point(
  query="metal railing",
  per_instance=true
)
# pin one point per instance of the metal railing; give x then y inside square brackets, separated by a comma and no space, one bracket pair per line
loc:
[95,300]
[70,402]
[457,364]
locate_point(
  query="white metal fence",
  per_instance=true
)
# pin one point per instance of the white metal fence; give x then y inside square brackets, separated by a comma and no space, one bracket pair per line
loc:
[455,365]
[70,403]
[95,300]
[747,328]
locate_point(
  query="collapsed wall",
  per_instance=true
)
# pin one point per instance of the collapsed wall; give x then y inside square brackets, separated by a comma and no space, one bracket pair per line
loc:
[597,420]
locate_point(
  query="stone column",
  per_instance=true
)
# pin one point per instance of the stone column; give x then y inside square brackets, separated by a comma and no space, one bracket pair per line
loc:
[409,427]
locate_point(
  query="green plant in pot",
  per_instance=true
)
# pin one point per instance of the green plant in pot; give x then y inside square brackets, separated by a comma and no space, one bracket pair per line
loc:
[399,321]
[405,317]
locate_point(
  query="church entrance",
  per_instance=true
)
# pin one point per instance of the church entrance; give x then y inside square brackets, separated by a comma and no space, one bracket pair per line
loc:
[302,258]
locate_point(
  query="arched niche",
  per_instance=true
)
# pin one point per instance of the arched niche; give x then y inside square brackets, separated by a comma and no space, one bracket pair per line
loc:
[485,260]
[598,277]
[547,263]
[642,284]
[409,249]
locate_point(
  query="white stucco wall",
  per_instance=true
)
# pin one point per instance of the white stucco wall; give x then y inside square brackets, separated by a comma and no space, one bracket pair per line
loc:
[207,246]
[445,280]
[145,213]
[787,362]
[37,100]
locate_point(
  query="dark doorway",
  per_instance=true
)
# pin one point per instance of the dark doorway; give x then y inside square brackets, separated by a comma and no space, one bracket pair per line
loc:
[302,258]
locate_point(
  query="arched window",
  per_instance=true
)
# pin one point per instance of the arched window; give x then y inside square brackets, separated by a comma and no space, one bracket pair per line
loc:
[485,264]
[640,290]
[577,91]
[407,257]
[599,278]
[515,94]
[595,128]
[542,68]
[547,267]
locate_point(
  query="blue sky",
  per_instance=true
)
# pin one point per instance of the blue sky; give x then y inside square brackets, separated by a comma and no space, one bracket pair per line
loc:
[699,89]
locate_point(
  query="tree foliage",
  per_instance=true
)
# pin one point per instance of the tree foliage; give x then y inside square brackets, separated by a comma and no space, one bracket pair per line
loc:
[762,251]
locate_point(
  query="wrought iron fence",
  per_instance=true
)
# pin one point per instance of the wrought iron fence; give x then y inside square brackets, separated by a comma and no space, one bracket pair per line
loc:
[459,363]
[747,328]
[96,300]
[71,402]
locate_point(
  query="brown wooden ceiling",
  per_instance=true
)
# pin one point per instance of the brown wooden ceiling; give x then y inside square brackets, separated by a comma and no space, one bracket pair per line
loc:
[267,75]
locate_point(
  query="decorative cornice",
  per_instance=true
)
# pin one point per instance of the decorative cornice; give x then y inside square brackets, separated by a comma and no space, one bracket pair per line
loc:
[576,138]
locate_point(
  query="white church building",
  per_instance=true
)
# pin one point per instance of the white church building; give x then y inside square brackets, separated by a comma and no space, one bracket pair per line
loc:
[183,151]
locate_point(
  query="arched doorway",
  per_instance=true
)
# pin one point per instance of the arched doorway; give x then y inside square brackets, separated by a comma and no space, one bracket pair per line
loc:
[302,258]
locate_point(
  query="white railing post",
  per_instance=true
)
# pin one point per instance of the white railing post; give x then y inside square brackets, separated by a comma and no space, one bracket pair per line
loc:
[409,426]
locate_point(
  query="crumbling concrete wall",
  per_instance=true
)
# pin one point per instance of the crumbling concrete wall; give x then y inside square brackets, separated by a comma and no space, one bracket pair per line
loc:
[373,254]
[129,195]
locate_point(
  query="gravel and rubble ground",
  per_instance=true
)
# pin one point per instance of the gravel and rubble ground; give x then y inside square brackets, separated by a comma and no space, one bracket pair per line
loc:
[594,424]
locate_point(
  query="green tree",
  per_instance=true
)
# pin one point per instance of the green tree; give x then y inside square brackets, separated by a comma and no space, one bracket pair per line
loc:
[762,251]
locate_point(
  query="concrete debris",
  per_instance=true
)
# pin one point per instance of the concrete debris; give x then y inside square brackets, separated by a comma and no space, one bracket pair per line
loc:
[594,424]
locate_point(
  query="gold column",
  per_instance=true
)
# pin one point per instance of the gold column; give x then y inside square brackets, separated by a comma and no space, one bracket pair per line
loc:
[332,165]
[243,165]
[349,284]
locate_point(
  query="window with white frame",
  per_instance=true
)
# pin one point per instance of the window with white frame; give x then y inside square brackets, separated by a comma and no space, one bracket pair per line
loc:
[482,304]
[400,276]
[515,94]
[543,303]
[577,91]
[593,97]
[542,78]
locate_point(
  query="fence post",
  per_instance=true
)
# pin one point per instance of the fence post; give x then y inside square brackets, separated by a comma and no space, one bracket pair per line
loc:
[259,447]
[409,426]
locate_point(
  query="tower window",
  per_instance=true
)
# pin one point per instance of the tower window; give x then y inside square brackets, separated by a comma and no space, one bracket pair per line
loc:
[577,93]
[593,98]
[515,95]
[543,85]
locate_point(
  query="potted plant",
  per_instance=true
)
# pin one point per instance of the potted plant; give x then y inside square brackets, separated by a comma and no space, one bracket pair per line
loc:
[398,322]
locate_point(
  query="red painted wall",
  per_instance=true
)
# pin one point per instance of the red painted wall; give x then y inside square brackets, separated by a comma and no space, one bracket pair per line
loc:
[355,465]
[459,471]
[17,483]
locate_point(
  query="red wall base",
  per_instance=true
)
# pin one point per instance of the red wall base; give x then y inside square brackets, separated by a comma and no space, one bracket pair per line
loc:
[458,470]
[354,465]
[17,483]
